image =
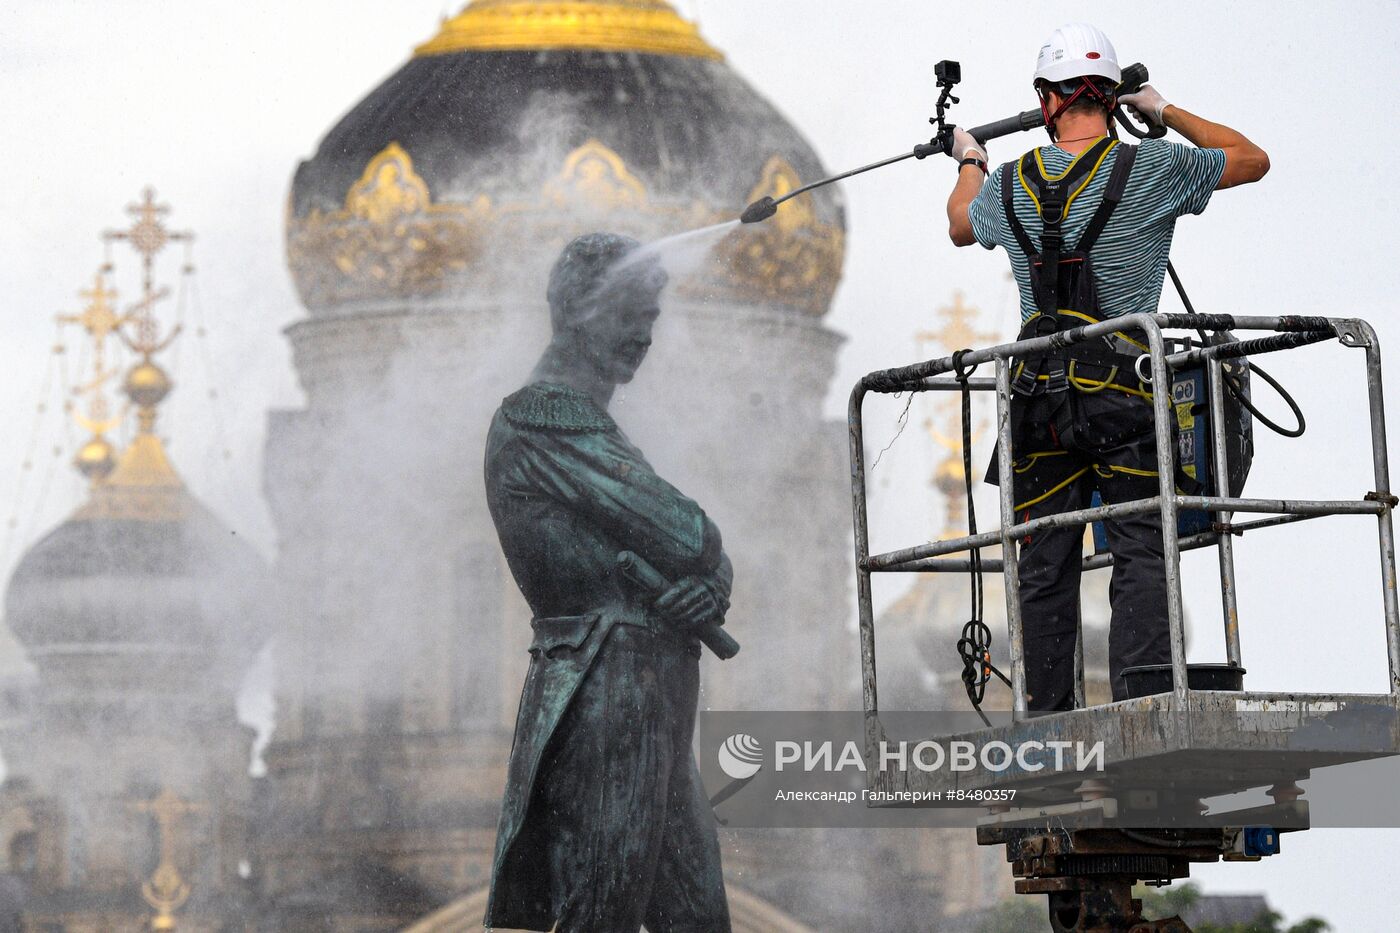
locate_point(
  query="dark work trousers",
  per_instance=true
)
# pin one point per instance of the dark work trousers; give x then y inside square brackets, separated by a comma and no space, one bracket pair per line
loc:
[632,834]
[1071,443]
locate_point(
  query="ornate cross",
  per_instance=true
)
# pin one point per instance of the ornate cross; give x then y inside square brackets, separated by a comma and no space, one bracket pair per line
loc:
[100,320]
[957,333]
[166,891]
[148,236]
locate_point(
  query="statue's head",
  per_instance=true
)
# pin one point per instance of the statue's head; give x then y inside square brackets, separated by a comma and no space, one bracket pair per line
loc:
[604,297]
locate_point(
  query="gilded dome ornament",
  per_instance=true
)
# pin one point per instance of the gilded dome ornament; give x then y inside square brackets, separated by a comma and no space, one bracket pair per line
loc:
[147,385]
[648,26]
[393,240]
[128,566]
[595,176]
[100,321]
[96,459]
[389,190]
[389,240]
[795,260]
[139,483]
[481,157]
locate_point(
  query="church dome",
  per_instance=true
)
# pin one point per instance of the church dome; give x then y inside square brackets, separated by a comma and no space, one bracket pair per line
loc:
[522,124]
[142,564]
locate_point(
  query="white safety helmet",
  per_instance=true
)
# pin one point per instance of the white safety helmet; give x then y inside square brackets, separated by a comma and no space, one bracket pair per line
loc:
[1077,50]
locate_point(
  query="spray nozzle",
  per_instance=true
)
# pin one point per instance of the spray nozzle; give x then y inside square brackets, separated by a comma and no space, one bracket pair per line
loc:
[948,73]
[759,211]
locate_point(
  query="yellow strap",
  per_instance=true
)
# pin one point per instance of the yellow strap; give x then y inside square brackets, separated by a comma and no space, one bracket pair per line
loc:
[1032,458]
[1049,177]
[1132,471]
[1089,319]
[1088,386]
[1112,468]
[1140,346]
[1042,498]
[1040,163]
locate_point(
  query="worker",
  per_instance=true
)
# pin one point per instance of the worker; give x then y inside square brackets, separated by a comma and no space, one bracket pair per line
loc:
[1087,222]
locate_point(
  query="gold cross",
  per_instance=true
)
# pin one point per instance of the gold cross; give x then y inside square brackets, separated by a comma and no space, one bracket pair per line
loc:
[148,235]
[166,891]
[98,317]
[100,320]
[957,333]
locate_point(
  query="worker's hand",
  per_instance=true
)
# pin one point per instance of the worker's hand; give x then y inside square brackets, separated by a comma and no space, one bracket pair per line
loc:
[964,146]
[690,602]
[1147,105]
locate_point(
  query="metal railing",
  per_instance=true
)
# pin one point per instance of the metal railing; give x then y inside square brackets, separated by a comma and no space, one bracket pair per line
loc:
[1289,332]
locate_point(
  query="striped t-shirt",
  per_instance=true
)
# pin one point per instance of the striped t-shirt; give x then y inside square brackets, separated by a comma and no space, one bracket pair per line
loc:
[1167,181]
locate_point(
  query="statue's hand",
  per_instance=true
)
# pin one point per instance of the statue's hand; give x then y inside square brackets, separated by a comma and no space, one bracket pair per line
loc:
[690,602]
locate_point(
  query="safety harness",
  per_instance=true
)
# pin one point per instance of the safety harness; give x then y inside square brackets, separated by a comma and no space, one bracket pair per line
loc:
[1062,280]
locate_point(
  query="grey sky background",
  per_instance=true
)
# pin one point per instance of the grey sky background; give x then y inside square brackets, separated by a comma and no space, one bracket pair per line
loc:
[214,104]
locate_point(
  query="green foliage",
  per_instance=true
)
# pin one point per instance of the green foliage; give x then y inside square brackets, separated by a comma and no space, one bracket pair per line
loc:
[1176,901]
[1310,925]
[1160,903]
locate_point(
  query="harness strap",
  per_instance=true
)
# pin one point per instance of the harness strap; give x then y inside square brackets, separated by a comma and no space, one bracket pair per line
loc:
[1023,239]
[1052,198]
[1117,181]
[1063,187]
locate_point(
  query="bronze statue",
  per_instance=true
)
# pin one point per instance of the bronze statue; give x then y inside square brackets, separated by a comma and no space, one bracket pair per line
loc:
[605,824]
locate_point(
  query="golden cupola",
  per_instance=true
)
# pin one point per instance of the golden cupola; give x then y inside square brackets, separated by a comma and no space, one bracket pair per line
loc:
[142,563]
[521,124]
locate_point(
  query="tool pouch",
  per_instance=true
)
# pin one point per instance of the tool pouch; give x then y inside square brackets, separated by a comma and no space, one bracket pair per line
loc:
[561,633]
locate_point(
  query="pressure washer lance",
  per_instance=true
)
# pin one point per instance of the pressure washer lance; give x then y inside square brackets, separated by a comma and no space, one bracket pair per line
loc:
[949,74]
[650,581]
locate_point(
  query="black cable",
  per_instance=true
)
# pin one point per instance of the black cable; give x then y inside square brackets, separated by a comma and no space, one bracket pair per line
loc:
[975,645]
[1238,392]
[1181,290]
[976,554]
[1234,386]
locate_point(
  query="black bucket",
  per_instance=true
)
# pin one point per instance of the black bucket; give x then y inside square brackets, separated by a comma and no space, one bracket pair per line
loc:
[1147,679]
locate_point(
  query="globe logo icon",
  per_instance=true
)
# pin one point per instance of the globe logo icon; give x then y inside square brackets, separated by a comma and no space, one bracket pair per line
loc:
[741,756]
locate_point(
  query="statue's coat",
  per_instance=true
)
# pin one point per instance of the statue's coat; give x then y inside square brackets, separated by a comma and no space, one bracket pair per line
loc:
[567,492]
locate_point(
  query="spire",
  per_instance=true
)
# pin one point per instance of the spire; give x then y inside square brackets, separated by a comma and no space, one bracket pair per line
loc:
[650,26]
[142,484]
[957,333]
[100,321]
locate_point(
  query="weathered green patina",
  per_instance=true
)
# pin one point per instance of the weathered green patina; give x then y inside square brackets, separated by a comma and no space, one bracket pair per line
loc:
[605,824]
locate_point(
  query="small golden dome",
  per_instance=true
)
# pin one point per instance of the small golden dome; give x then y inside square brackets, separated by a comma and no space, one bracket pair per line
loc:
[950,474]
[96,458]
[147,384]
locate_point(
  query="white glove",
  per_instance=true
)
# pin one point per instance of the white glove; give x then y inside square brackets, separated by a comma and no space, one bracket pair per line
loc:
[1147,105]
[965,147]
